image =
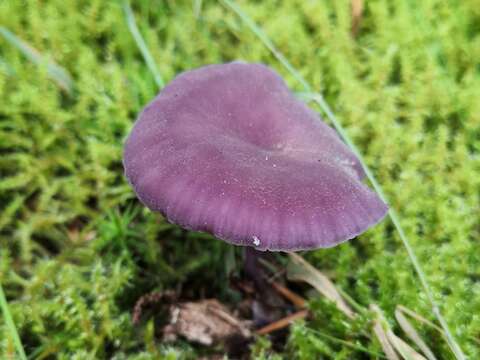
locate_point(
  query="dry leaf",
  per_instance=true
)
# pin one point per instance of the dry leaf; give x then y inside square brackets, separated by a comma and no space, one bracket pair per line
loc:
[378,329]
[413,335]
[391,342]
[407,352]
[206,322]
[300,270]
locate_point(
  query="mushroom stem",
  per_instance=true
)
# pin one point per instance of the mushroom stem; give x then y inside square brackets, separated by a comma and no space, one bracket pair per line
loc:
[252,267]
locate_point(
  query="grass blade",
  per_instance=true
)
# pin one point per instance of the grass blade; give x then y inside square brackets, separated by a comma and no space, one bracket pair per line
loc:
[320,101]
[132,26]
[11,325]
[408,328]
[301,270]
[389,341]
[407,352]
[347,344]
[384,343]
[419,318]
[57,73]
[197,8]
[381,333]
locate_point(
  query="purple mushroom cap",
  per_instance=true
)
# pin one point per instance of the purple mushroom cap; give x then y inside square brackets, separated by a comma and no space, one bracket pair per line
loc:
[228,149]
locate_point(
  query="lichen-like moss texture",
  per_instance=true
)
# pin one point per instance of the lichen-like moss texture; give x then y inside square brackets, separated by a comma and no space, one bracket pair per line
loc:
[77,249]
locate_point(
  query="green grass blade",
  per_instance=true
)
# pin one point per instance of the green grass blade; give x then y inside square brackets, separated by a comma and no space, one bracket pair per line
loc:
[132,26]
[318,98]
[267,42]
[346,343]
[11,325]
[197,8]
[57,73]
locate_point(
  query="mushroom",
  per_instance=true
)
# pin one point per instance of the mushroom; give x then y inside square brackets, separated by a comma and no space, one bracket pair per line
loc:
[229,150]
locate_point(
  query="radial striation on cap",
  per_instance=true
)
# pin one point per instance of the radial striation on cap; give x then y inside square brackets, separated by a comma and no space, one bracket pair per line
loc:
[228,149]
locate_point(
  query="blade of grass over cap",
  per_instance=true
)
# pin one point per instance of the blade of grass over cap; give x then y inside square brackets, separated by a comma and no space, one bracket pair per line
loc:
[55,72]
[320,101]
[11,326]
[142,46]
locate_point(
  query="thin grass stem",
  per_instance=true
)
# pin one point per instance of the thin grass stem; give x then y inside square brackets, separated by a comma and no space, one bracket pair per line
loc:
[54,71]
[346,343]
[11,325]
[142,46]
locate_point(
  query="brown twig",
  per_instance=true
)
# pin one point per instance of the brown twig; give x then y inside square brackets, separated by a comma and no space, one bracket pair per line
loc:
[282,323]
[357,12]
[288,294]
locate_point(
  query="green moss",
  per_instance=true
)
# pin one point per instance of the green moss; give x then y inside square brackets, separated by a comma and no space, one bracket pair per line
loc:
[77,249]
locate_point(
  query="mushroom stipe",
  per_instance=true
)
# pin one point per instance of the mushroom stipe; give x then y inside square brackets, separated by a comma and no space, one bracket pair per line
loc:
[228,149]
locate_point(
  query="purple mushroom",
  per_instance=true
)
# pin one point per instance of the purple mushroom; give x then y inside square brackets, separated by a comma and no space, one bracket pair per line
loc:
[228,149]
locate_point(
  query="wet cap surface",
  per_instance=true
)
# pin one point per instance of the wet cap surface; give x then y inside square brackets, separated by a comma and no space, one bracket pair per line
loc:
[229,150]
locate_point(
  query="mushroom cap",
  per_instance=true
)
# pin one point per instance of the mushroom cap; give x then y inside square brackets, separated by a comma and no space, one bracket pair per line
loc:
[228,149]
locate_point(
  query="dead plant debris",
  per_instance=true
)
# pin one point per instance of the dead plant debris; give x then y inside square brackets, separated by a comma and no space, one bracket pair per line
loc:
[206,322]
